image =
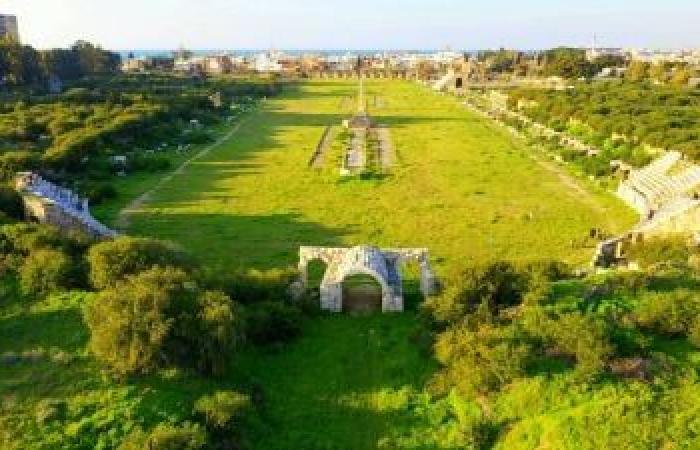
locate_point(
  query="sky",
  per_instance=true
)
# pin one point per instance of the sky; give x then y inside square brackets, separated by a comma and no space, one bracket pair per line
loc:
[356,24]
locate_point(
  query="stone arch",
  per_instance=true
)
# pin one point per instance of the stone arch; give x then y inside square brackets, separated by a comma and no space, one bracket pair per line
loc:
[378,278]
[383,265]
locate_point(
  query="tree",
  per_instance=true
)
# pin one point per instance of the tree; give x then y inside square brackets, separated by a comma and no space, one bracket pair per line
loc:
[681,77]
[658,72]
[45,271]
[131,322]
[637,71]
[220,331]
[111,261]
[493,286]
[159,317]
[568,63]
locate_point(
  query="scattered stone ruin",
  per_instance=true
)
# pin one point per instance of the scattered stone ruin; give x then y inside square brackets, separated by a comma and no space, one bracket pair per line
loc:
[665,194]
[46,202]
[384,265]
[359,155]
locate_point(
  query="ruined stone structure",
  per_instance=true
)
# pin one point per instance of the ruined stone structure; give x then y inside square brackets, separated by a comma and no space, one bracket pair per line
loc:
[48,203]
[665,194]
[361,128]
[384,265]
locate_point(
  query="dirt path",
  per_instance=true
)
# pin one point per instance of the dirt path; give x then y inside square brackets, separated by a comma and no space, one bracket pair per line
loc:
[122,222]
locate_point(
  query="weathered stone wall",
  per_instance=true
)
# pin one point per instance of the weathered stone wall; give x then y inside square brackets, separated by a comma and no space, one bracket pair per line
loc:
[48,203]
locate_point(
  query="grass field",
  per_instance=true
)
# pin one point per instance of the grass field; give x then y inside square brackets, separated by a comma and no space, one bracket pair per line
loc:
[461,187]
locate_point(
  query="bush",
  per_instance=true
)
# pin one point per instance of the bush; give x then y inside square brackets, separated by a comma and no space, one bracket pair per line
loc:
[694,332]
[583,337]
[166,436]
[479,361]
[111,261]
[222,408]
[257,286]
[673,313]
[272,323]
[497,285]
[11,203]
[45,271]
[23,238]
[13,162]
[159,317]
[660,252]
[99,192]
[220,331]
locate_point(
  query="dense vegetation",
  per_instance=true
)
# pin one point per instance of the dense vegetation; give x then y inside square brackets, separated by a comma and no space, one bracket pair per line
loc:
[143,120]
[620,117]
[24,66]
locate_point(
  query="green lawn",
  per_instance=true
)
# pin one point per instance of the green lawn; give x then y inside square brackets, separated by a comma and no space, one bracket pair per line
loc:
[461,187]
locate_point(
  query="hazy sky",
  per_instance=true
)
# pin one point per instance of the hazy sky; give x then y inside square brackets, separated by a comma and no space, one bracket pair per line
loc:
[335,24]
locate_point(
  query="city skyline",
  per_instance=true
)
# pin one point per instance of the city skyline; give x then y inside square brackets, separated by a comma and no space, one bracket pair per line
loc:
[382,24]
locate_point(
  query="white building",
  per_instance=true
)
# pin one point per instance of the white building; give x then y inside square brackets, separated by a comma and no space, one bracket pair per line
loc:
[268,62]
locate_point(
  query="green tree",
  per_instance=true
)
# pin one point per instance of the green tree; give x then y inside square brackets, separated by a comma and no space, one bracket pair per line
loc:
[111,261]
[159,317]
[45,271]
[637,71]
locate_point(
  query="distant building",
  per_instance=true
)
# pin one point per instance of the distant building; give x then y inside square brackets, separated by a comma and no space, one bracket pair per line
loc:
[8,27]
[596,52]
[268,62]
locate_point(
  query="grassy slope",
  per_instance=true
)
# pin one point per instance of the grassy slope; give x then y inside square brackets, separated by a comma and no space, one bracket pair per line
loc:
[461,188]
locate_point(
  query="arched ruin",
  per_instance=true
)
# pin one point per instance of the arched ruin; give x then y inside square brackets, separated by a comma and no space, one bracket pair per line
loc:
[384,265]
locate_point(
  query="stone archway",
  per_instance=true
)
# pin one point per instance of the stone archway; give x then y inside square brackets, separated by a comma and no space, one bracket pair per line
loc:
[382,265]
[363,293]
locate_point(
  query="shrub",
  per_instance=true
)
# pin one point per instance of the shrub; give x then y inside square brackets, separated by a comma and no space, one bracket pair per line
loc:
[257,286]
[159,317]
[166,436]
[496,285]
[11,203]
[583,337]
[111,261]
[694,332]
[99,192]
[273,322]
[13,162]
[479,361]
[48,410]
[23,238]
[222,408]
[220,331]
[45,271]
[660,252]
[131,322]
[672,313]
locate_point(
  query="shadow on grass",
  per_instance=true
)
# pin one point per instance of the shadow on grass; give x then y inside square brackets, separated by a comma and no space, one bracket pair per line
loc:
[236,241]
[62,329]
